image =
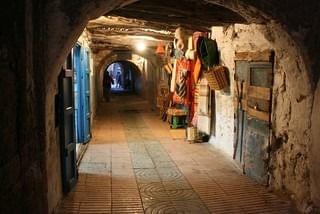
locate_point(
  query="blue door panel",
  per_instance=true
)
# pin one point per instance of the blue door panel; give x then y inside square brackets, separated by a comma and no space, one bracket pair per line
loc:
[77,67]
[67,130]
[82,98]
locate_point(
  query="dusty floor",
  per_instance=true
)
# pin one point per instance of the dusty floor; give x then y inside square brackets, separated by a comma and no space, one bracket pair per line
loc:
[132,165]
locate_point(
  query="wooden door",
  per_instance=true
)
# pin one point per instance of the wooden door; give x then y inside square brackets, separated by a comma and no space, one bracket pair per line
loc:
[77,79]
[86,92]
[253,110]
[67,130]
[82,94]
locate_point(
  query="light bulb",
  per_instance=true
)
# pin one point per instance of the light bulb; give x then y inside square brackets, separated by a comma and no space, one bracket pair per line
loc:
[141,46]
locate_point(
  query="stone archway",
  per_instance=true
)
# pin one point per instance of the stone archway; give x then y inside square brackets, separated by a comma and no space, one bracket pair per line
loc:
[136,72]
[55,26]
[286,107]
[109,58]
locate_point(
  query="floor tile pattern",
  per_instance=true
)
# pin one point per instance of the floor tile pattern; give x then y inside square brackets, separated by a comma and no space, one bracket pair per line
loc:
[154,169]
[133,165]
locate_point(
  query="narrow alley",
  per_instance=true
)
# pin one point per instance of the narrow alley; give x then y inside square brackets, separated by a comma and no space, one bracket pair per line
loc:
[152,106]
[133,165]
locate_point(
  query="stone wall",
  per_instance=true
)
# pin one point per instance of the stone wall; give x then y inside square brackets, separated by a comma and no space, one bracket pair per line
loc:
[22,175]
[315,149]
[235,38]
[54,189]
[292,105]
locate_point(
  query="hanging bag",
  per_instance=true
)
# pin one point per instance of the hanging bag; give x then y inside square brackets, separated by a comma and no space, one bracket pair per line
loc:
[217,77]
[208,52]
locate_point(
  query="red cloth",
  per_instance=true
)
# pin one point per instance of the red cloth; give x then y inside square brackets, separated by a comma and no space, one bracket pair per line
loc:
[182,64]
[191,90]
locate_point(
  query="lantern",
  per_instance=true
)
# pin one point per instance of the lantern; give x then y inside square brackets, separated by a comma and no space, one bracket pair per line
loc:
[160,49]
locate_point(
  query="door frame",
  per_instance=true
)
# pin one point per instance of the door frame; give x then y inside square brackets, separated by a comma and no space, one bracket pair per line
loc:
[69,171]
[253,60]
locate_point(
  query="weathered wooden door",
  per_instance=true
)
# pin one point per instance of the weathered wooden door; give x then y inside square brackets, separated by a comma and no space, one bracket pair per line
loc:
[67,130]
[253,110]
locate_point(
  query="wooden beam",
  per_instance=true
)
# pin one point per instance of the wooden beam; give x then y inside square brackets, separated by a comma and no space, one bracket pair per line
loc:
[261,115]
[265,55]
[259,92]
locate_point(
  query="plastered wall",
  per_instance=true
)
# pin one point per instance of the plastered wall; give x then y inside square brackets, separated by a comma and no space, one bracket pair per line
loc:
[54,189]
[292,105]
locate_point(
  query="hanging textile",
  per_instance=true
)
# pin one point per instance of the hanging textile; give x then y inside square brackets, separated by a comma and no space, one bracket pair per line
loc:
[197,70]
[173,76]
[180,92]
[191,90]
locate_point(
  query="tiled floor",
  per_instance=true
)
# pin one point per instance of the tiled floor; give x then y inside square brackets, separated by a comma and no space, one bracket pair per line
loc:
[132,165]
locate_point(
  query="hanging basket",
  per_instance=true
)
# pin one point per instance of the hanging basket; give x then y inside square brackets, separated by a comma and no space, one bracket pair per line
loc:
[217,77]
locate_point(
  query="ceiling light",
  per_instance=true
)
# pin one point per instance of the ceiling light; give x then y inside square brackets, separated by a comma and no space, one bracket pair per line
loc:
[140,46]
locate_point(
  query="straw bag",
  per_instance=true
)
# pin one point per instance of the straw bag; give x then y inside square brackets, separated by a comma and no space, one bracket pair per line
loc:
[217,77]
[208,52]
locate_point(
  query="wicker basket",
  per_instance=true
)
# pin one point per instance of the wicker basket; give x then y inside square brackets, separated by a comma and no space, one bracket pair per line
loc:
[217,77]
[192,133]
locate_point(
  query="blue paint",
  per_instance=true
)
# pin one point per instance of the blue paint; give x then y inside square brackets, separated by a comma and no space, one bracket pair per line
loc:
[82,94]
[67,132]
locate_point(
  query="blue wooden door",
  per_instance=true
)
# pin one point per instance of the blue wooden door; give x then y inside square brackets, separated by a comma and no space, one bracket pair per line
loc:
[86,94]
[76,69]
[255,80]
[82,94]
[67,130]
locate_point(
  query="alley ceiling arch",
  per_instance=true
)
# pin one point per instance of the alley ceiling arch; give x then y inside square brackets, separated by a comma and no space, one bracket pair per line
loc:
[59,23]
[136,70]
[71,17]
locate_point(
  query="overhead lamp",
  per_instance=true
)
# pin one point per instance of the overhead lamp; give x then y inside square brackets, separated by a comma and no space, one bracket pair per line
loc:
[160,49]
[140,46]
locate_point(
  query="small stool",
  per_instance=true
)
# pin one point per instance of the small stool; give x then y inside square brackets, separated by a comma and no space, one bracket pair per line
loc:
[177,118]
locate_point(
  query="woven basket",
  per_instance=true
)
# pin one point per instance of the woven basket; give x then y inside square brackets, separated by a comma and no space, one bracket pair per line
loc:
[217,77]
[192,133]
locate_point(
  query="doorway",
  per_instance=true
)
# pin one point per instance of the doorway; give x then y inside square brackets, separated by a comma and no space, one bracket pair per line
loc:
[126,77]
[65,121]
[253,106]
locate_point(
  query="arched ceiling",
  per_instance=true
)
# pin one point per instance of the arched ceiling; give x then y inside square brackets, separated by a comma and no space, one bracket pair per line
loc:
[192,14]
[154,20]
[119,33]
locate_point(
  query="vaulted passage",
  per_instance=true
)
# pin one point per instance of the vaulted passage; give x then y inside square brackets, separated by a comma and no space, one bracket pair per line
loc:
[189,106]
[134,165]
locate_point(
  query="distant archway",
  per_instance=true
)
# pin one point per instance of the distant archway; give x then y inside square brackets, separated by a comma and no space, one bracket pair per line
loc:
[126,76]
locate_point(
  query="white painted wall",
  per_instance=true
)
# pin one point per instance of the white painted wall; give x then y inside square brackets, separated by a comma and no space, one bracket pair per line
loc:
[238,38]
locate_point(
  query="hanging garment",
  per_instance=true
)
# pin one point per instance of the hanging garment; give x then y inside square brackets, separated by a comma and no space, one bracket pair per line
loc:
[179,96]
[197,71]
[173,77]
[181,85]
[196,36]
[191,90]
[191,53]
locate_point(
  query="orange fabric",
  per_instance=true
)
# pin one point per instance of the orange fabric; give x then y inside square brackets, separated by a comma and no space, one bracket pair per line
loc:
[197,70]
